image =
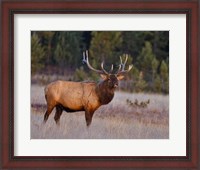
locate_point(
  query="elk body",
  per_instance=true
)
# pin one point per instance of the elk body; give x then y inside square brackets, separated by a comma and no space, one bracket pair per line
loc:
[83,96]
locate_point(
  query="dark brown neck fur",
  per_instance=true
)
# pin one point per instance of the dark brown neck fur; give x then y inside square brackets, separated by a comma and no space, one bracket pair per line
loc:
[104,93]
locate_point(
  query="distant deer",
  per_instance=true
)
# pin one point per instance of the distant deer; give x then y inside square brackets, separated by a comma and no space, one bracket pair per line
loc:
[83,96]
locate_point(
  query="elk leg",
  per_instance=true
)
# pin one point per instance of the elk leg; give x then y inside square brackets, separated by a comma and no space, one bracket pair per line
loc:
[48,112]
[88,117]
[58,113]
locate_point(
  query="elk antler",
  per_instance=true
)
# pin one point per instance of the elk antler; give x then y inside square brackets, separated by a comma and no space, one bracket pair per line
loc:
[122,65]
[85,60]
[105,70]
[111,68]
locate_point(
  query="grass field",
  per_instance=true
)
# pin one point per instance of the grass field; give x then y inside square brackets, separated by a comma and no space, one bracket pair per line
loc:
[117,120]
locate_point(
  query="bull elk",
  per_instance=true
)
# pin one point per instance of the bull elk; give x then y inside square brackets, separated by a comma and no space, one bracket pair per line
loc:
[83,96]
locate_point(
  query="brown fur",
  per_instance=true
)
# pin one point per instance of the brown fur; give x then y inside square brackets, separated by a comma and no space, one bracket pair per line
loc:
[78,96]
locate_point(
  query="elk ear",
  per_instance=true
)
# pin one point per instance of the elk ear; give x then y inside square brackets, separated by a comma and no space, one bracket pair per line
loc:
[104,76]
[120,77]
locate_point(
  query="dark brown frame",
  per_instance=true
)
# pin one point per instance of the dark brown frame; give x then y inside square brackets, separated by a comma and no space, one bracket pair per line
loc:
[11,7]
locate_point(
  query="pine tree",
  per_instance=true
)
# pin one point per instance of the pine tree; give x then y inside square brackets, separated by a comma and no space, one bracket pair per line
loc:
[48,36]
[148,64]
[164,77]
[160,41]
[133,41]
[140,84]
[37,54]
[104,46]
[80,74]
[67,49]
[154,66]
[157,85]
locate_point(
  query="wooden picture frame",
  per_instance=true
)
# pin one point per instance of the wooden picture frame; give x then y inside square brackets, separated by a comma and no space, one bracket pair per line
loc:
[11,7]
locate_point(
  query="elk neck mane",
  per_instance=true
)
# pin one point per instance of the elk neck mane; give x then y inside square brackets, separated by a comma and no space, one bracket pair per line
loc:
[104,93]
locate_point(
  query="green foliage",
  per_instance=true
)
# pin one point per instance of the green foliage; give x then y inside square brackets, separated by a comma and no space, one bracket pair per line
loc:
[160,41]
[46,38]
[37,54]
[146,57]
[164,77]
[61,52]
[134,73]
[104,45]
[157,85]
[67,48]
[49,36]
[164,70]
[154,66]
[80,74]
[134,41]
[147,62]
[140,84]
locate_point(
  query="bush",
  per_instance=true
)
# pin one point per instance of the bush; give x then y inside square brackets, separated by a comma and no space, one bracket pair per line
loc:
[37,54]
[80,74]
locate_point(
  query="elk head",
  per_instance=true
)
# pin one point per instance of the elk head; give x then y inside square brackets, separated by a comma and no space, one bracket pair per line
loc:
[110,79]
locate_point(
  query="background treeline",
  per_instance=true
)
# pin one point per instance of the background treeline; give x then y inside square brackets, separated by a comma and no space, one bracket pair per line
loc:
[59,53]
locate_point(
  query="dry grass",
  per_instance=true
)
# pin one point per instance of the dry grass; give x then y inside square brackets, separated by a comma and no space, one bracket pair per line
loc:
[117,120]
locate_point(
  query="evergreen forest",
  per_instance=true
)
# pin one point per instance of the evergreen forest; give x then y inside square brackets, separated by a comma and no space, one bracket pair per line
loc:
[60,53]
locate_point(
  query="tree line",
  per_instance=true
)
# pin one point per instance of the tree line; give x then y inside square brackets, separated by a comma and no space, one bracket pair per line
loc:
[148,51]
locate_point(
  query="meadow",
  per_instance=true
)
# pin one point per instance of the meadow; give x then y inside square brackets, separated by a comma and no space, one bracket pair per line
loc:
[120,119]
